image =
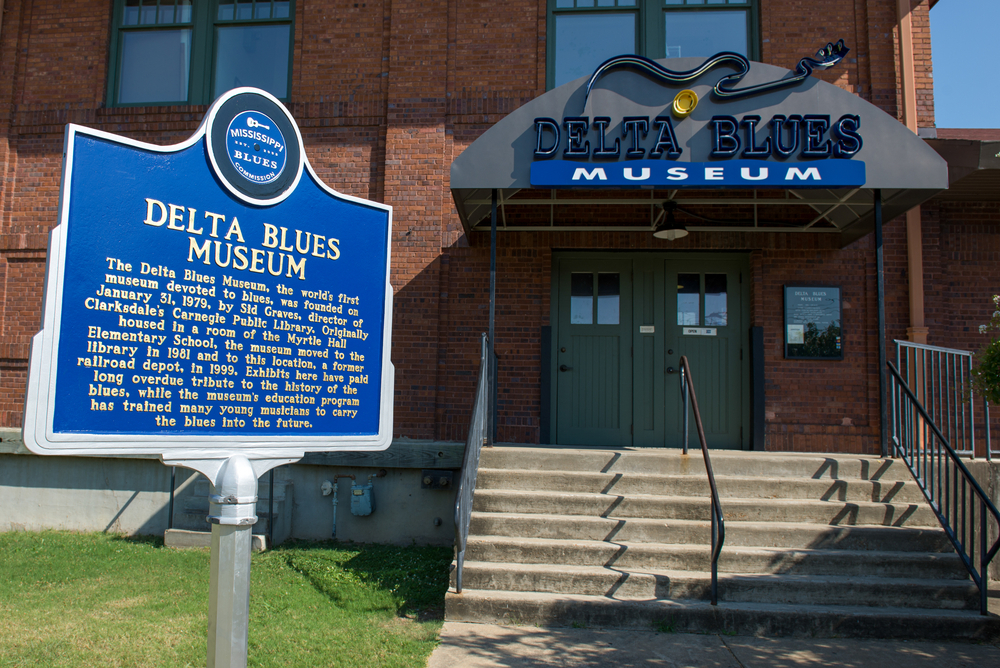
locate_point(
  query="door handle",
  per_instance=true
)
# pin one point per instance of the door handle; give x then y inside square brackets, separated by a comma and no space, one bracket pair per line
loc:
[563,367]
[671,369]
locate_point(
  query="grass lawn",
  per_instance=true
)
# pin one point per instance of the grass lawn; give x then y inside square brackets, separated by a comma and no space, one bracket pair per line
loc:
[93,600]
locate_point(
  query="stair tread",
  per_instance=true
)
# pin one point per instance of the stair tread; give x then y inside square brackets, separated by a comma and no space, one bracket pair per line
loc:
[612,519]
[577,569]
[700,499]
[692,604]
[727,549]
[691,476]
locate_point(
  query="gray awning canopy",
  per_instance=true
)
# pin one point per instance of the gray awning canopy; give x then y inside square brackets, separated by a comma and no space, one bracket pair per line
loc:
[895,160]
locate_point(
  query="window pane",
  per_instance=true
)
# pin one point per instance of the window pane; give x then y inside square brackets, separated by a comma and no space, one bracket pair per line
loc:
[244,10]
[131,15]
[715,300]
[584,3]
[252,56]
[688,299]
[608,299]
[155,66]
[148,13]
[584,41]
[166,12]
[581,299]
[226,11]
[605,3]
[281,10]
[564,4]
[262,10]
[183,11]
[705,33]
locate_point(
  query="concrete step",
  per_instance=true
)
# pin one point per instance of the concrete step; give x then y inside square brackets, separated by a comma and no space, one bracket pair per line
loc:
[760,619]
[738,559]
[698,532]
[665,461]
[729,486]
[669,507]
[628,584]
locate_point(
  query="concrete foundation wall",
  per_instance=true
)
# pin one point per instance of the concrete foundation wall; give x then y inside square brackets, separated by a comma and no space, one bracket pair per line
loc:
[127,496]
[131,496]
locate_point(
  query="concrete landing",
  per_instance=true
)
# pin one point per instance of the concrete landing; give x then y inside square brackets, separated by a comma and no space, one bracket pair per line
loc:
[487,646]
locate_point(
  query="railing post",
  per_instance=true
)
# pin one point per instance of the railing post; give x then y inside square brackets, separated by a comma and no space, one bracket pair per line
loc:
[715,562]
[684,401]
[880,279]
[493,303]
[986,421]
[984,564]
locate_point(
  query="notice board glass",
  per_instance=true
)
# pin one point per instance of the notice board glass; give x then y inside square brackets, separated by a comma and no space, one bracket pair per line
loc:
[813,322]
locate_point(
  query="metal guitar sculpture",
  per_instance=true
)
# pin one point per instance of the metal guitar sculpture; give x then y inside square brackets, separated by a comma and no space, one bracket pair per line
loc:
[826,58]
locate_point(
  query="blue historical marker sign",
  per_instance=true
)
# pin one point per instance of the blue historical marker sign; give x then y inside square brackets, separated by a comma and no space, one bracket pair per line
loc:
[212,295]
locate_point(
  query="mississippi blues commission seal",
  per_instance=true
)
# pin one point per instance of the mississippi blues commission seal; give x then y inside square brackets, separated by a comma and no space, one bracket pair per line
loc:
[254,146]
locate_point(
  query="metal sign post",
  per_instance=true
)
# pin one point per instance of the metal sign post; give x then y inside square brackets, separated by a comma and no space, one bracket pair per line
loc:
[231,512]
[215,304]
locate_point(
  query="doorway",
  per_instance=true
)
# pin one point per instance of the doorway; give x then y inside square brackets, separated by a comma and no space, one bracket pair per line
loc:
[622,323]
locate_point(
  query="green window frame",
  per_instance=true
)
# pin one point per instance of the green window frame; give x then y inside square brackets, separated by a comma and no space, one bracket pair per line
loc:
[650,18]
[188,52]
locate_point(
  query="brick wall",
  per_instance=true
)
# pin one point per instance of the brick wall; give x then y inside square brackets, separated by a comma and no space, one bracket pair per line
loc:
[387,93]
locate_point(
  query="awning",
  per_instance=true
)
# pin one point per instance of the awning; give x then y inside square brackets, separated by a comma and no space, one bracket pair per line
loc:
[784,186]
[973,165]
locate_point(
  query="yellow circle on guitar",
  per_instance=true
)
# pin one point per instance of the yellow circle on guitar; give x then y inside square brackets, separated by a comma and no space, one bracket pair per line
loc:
[684,103]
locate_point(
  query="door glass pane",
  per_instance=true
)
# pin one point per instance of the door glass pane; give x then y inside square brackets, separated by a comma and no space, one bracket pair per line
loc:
[252,56]
[581,300]
[608,299]
[584,41]
[715,300]
[688,299]
[155,66]
[705,33]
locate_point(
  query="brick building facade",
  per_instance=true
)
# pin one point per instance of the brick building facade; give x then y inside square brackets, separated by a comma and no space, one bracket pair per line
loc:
[388,94]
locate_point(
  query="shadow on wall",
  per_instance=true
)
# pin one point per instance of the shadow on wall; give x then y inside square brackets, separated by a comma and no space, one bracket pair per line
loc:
[84,494]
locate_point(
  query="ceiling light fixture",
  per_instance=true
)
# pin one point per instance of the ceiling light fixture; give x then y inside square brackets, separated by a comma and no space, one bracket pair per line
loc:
[668,228]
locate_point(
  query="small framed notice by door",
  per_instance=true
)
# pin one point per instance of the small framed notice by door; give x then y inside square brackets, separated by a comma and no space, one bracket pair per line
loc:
[813,322]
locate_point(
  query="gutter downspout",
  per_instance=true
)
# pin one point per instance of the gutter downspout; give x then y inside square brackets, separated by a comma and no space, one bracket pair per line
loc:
[917,331]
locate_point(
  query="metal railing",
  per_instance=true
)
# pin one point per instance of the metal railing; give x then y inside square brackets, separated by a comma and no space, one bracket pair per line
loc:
[962,507]
[940,380]
[718,522]
[480,433]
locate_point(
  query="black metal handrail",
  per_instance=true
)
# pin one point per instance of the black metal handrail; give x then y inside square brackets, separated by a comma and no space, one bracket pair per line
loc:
[946,483]
[939,378]
[480,433]
[718,522]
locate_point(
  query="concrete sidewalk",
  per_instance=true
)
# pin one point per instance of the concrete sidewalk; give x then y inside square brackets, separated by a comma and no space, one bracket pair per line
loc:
[466,645]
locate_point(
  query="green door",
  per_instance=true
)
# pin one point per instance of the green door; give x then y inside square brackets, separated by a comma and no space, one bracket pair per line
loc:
[593,353]
[704,321]
[622,326]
